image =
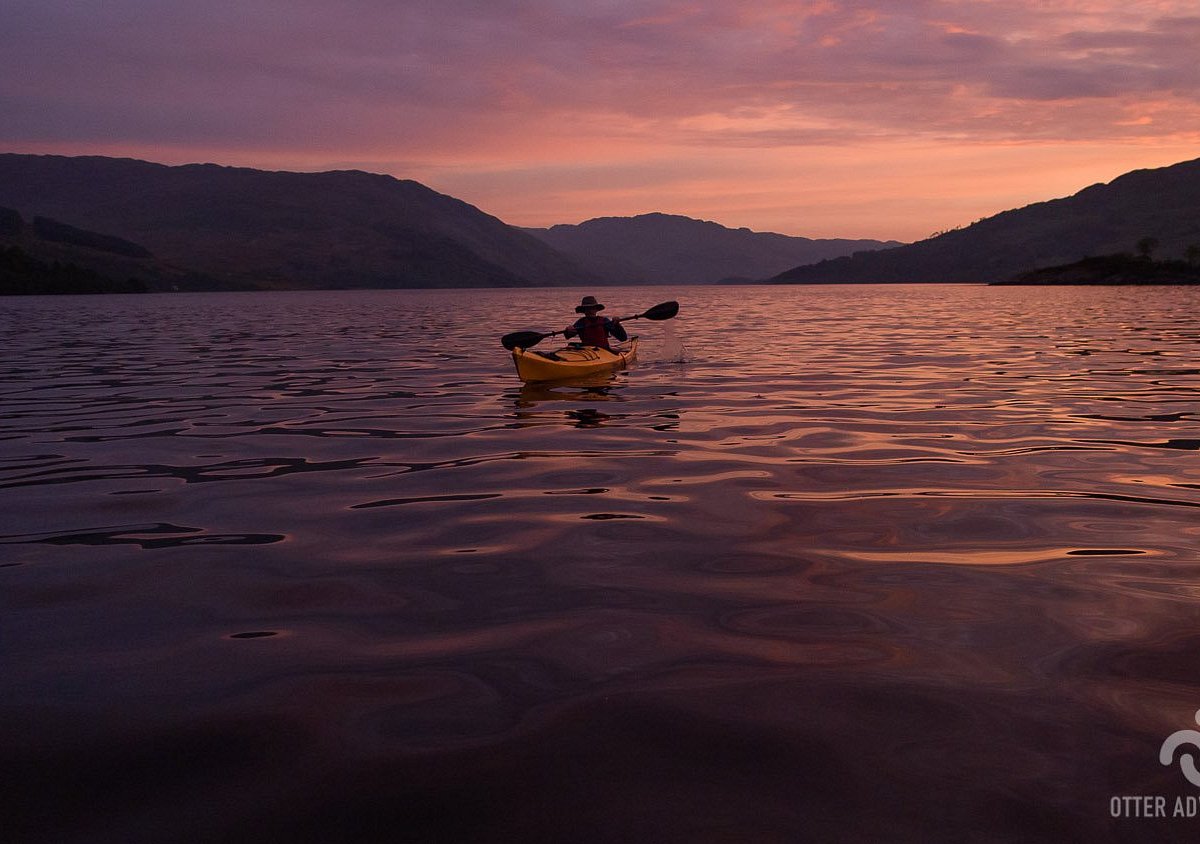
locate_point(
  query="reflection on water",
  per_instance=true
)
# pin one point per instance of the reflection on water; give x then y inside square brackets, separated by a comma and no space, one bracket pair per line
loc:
[864,563]
[545,402]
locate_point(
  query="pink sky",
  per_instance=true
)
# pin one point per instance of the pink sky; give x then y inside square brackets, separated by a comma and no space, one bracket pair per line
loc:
[822,119]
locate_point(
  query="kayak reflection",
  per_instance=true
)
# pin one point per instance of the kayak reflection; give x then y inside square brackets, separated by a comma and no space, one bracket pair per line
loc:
[601,387]
[598,387]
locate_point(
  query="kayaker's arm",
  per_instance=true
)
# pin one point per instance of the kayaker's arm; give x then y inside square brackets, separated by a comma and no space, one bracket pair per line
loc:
[617,330]
[528,339]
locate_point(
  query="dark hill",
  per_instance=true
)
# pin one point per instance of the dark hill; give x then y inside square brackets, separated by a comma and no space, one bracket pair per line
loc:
[56,232]
[37,259]
[670,249]
[1163,204]
[277,229]
[23,274]
[47,256]
[1112,269]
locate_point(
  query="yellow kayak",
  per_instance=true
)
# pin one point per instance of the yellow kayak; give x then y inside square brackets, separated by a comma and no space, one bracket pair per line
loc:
[572,361]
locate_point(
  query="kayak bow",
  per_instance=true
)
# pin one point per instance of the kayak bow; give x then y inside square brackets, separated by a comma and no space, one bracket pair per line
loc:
[571,362]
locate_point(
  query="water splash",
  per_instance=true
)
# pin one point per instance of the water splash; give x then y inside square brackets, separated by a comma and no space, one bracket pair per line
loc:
[673,349]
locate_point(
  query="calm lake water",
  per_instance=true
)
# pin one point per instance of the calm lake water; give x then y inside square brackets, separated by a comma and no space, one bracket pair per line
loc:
[858,563]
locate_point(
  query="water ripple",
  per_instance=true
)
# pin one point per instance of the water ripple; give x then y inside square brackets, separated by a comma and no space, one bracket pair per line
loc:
[145,536]
[848,533]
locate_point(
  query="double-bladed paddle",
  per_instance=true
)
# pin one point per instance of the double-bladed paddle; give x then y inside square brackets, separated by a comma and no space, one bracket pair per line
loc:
[526,339]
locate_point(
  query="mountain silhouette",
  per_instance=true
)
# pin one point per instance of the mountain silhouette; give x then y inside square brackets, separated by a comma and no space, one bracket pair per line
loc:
[671,249]
[237,227]
[1162,204]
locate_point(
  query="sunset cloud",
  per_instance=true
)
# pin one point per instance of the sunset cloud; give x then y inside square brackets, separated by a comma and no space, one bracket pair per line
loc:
[613,106]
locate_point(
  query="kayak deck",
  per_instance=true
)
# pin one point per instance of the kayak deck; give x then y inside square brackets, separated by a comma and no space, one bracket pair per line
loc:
[571,361]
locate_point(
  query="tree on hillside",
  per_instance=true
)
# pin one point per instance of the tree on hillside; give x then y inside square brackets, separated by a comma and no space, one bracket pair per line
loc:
[1192,254]
[1146,247]
[10,222]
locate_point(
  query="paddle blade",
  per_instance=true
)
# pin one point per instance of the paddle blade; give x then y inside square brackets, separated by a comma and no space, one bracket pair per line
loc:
[666,310]
[522,339]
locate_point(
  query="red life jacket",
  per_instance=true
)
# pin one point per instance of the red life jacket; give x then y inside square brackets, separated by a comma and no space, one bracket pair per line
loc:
[593,331]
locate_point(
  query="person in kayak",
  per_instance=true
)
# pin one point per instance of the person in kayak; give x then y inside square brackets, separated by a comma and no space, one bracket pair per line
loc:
[593,329]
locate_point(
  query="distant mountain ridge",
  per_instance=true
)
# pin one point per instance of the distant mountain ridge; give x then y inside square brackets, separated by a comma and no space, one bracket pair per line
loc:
[673,249]
[204,226]
[239,227]
[1162,203]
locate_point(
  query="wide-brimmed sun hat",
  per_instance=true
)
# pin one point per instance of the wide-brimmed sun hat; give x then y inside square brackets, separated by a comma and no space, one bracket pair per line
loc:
[589,303]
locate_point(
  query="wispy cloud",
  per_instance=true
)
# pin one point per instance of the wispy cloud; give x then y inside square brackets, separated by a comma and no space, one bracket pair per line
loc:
[480,93]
